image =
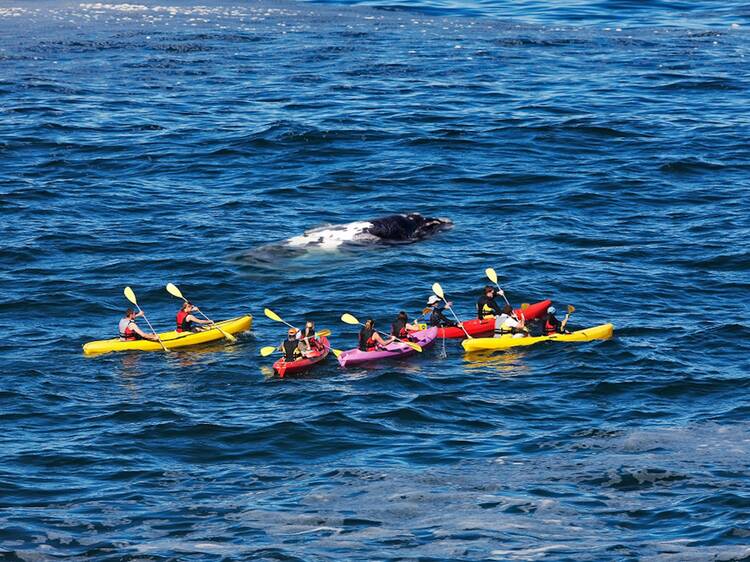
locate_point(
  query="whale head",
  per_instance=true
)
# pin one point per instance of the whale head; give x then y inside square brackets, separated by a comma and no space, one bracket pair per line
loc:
[427,226]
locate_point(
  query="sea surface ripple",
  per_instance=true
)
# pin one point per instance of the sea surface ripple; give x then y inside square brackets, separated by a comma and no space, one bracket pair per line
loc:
[592,157]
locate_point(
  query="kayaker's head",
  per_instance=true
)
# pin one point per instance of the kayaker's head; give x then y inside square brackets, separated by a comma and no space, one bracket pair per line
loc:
[489,291]
[309,325]
[508,310]
[130,313]
[292,333]
[369,323]
[433,300]
[551,311]
[403,316]
[187,306]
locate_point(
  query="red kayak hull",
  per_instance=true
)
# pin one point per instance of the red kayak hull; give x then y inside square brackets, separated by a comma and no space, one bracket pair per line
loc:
[282,368]
[477,327]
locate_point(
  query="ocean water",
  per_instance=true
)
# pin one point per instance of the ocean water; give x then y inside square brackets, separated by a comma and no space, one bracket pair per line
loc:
[592,153]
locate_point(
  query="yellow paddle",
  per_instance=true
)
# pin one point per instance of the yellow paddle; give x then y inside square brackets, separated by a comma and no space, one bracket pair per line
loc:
[493,277]
[438,290]
[268,350]
[175,292]
[571,310]
[349,319]
[130,295]
[276,318]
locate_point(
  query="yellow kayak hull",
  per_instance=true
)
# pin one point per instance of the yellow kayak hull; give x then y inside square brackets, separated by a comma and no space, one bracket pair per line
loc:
[602,332]
[171,340]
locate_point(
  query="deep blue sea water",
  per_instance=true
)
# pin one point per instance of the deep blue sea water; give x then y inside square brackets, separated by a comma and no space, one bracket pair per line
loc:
[593,153]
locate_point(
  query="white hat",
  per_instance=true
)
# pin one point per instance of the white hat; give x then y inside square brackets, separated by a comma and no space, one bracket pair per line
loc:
[551,310]
[433,300]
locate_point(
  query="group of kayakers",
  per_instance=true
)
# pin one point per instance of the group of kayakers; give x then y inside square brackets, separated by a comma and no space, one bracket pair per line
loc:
[507,322]
[306,343]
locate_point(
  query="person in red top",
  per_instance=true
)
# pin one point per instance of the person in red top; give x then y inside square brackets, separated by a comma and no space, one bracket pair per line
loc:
[370,339]
[186,321]
[401,327]
[129,330]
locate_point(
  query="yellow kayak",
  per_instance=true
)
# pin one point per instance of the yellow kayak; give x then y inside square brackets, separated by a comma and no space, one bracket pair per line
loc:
[602,332]
[171,340]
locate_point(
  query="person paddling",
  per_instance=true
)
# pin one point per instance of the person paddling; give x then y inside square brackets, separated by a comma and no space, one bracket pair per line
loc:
[369,339]
[186,321]
[507,324]
[129,330]
[291,346]
[401,326]
[307,339]
[435,316]
[486,305]
[552,325]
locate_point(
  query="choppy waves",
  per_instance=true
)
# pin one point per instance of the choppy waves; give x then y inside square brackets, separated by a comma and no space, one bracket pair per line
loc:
[602,166]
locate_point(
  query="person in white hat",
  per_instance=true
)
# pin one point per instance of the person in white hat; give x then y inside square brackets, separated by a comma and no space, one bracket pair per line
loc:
[434,313]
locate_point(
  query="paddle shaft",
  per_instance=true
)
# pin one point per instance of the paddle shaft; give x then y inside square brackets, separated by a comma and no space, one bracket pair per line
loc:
[164,347]
[214,325]
[456,317]
[389,335]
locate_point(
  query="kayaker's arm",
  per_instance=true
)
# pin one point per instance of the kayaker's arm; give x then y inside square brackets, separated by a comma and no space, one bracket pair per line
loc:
[192,318]
[143,334]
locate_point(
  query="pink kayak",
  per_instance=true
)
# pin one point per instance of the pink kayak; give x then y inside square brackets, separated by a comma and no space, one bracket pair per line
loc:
[395,349]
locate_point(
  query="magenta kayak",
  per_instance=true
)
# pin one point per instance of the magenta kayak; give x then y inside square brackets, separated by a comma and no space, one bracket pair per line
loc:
[392,350]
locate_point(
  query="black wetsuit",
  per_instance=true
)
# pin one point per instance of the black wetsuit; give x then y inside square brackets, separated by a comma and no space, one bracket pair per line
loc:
[398,329]
[290,349]
[366,342]
[437,318]
[483,301]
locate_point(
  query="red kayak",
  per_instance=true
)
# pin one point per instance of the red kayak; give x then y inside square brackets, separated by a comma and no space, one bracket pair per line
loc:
[282,368]
[477,327]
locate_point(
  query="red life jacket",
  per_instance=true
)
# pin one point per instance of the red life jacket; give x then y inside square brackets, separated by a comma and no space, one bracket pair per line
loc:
[367,340]
[549,328]
[129,334]
[182,324]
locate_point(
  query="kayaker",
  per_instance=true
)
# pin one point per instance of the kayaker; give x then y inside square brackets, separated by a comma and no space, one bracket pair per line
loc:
[486,305]
[291,346]
[552,325]
[507,323]
[435,316]
[129,330]
[308,341]
[186,321]
[401,326]
[371,340]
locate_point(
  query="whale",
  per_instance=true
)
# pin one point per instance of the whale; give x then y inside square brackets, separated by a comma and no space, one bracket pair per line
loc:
[393,229]
[406,228]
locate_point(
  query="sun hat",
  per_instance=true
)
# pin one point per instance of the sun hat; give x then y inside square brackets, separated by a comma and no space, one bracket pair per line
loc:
[434,299]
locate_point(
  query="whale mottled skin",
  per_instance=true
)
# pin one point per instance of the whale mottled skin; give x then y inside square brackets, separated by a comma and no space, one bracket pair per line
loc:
[393,229]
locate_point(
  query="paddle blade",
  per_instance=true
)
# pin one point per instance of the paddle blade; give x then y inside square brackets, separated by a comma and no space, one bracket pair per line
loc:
[272,315]
[525,305]
[571,309]
[174,291]
[130,295]
[349,319]
[438,290]
[491,274]
[266,351]
[414,346]
[323,333]
[337,352]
